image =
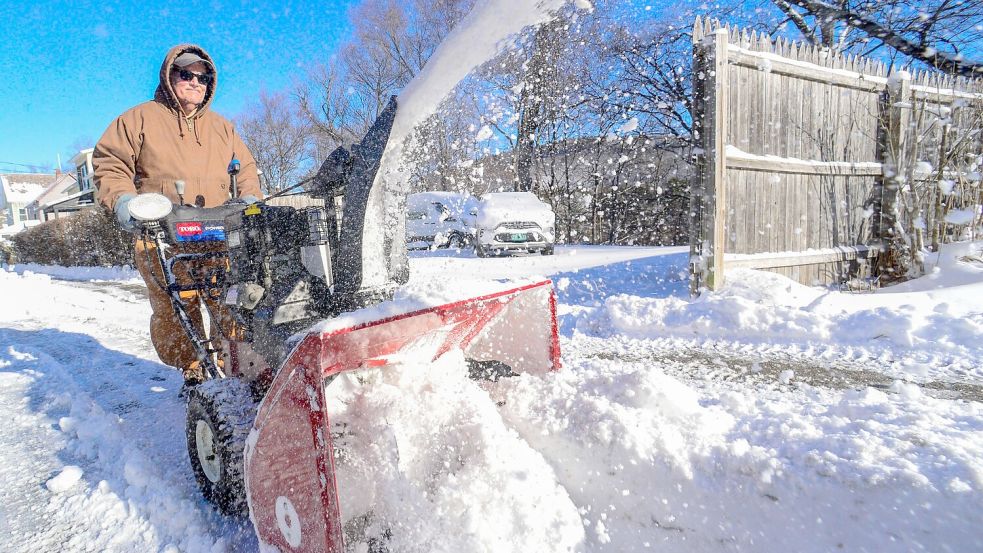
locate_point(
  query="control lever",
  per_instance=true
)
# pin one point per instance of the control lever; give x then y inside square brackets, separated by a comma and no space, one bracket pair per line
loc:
[234,176]
[179,188]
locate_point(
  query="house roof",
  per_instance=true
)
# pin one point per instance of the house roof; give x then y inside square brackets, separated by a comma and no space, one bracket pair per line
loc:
[70,201]
[82,156]
[23,188]
[58,190]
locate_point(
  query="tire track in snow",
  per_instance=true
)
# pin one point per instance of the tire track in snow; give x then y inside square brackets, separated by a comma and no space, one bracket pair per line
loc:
[134,494]
[780,368]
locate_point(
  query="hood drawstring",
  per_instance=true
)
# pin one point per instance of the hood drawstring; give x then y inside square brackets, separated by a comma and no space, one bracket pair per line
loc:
[194,125]
[190,122]
[177,111]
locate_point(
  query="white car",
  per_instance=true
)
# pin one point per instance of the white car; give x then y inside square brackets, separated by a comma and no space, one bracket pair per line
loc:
[510,222]
[439,220]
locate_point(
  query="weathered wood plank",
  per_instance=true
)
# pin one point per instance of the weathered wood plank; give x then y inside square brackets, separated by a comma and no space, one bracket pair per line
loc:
[806,70]
[776,164]
[794,258]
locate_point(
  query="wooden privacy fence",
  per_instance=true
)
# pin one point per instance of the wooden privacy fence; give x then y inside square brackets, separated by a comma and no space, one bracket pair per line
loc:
[801,154]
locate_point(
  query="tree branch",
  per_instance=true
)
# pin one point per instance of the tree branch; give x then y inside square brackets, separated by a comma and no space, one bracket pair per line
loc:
[797,20]
[931,56]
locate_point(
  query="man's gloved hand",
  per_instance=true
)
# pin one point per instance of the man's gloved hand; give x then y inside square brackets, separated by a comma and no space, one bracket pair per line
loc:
[122,211]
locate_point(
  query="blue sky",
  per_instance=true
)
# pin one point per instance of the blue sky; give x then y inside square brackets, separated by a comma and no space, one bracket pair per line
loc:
[68,68]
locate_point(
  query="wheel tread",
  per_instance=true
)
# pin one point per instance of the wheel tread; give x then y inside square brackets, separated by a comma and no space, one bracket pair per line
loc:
[228,405]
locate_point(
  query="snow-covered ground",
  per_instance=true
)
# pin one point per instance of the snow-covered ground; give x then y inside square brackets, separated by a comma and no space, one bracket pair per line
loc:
[765,417]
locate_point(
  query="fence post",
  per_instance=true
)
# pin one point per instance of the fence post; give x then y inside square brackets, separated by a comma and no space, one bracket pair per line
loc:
[708,199]
[894,131]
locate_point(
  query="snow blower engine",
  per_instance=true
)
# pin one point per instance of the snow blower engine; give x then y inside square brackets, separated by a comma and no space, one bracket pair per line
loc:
[258,427]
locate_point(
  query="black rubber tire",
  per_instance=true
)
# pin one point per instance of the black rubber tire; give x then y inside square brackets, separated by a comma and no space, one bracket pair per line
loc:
[547,251]
[479,251]
[455,241]
[226,408]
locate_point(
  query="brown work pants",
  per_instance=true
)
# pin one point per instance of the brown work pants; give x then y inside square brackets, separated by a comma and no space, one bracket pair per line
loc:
[172,344]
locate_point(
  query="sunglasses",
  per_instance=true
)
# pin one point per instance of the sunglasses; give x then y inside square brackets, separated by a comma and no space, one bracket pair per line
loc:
[204,79]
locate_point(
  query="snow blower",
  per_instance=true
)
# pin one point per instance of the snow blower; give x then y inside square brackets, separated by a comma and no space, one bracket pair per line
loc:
[311,291]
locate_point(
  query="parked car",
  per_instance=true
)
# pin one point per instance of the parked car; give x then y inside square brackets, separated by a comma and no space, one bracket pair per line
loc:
[510,222]
[439,219]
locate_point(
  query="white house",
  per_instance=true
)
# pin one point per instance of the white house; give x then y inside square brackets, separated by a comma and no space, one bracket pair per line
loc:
[64,185]
[17,191]
[69,193]
[83,169]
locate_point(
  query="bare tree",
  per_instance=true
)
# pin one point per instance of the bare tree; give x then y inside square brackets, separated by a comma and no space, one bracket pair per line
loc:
[539,95]
[277,137]
[323,103]
[390,44]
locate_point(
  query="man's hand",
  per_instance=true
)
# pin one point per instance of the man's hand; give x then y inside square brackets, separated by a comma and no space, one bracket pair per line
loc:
[122,210]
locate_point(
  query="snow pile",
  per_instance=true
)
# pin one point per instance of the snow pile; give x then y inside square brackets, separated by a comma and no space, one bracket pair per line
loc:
[68,477]
[616,456]
[649,461]
[426,459]
[764,307]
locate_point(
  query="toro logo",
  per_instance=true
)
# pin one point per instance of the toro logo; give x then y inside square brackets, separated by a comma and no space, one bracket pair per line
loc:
[188,229]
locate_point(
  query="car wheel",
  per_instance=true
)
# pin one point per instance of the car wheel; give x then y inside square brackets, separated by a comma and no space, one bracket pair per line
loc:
[479,251]
[220,416]
[455,242]
[547,250]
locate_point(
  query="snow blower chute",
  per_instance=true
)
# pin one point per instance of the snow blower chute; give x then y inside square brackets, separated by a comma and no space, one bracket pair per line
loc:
[311,292]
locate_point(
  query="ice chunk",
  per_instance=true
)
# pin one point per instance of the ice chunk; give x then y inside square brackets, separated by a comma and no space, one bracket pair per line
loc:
[67,478]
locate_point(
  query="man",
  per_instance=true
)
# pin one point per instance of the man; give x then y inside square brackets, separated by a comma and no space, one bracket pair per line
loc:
[174,137]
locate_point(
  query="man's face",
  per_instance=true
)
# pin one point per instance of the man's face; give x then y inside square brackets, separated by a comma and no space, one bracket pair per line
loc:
[189,92]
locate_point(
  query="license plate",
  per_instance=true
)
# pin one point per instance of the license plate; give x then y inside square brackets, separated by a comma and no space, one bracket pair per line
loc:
[517,237]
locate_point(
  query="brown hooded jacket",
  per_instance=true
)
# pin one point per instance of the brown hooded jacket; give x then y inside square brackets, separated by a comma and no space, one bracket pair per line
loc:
[153,145]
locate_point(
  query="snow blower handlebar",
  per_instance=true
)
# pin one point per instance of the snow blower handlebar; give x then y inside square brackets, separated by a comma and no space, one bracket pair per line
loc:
[164,225]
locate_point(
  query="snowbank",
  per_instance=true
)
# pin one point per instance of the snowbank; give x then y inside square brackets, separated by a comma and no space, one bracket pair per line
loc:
[118,274]
[940,316]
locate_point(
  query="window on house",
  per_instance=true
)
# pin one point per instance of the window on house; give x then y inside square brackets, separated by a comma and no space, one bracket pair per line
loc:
[23,213]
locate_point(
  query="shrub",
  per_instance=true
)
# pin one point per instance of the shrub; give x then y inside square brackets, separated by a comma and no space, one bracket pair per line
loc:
[89,238]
